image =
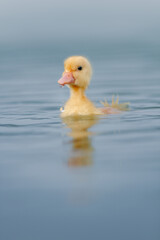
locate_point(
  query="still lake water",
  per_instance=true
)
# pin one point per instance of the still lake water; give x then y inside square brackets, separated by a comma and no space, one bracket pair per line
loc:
[84,179]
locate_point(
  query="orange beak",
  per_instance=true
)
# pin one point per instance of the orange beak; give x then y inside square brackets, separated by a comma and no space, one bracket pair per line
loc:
[67,78]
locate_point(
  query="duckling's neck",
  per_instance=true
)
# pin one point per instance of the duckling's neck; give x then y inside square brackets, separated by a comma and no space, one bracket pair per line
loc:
[77,92]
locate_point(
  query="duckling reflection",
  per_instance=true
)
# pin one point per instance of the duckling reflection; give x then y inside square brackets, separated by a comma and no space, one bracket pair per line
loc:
[82,150]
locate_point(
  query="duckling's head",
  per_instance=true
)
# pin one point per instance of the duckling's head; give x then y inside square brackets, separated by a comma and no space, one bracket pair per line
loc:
[77,72]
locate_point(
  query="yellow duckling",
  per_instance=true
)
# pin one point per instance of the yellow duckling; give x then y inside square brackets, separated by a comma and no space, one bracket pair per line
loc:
[77,75]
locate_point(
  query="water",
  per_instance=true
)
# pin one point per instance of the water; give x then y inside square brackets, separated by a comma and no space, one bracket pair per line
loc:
[83,179]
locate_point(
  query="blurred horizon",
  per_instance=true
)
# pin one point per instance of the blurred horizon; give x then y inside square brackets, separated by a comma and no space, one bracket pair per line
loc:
[45,22]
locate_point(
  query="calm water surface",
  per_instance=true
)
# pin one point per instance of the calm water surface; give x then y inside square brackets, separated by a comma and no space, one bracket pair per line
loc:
[84,178]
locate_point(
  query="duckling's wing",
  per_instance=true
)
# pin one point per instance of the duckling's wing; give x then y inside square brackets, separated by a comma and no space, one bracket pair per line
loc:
[116,104]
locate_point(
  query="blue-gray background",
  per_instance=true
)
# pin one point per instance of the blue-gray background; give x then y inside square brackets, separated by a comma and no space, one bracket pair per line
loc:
[42,21]
[59,180]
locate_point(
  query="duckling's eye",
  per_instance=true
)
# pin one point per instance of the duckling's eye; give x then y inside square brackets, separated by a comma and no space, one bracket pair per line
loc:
[80,68]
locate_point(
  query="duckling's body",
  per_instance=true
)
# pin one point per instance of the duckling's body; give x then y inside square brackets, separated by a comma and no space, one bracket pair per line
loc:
[79,104]
[77,76]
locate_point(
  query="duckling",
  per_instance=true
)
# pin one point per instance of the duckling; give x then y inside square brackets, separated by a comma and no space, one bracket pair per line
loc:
[77,75]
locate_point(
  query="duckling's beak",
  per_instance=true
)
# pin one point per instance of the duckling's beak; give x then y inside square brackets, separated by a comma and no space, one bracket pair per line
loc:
[67,78]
